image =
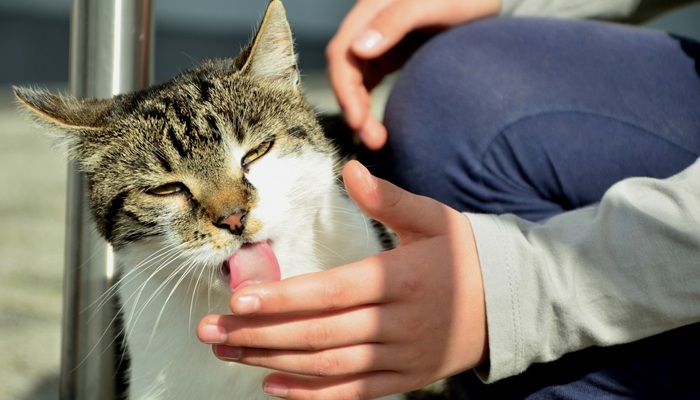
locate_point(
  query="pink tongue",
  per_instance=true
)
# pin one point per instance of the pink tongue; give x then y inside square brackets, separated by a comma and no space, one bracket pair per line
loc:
[253,263]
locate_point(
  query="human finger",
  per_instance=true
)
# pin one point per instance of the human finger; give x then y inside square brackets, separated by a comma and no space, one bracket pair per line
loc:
[318,291]
[388,27]
[369,385]
[345,73]
[316,332]
[373,134]
[347,80]
[337,361]
[393,22]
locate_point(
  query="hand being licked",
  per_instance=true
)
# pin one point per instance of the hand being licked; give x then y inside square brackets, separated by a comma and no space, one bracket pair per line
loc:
[391,323]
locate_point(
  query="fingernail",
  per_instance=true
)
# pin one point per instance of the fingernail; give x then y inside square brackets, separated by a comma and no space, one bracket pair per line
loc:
[370,181]
[246,305]
[213,334]
[276,389]
[229,353]
[368,39]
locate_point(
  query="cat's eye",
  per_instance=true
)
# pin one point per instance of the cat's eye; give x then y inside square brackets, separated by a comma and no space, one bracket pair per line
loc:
[168,188]
[256,153]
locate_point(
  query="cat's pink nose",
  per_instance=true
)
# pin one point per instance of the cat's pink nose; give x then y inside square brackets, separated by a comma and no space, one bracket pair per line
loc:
[233,222]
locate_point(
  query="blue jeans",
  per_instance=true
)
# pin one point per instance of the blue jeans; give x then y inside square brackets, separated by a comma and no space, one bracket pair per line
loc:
[536,117]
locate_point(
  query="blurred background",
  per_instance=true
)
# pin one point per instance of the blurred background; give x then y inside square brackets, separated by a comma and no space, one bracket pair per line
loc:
[34,49]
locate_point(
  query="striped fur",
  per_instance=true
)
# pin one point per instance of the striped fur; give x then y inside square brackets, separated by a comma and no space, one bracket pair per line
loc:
[166,164]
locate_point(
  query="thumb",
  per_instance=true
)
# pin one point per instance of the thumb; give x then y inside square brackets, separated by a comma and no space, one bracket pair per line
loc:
[405,213]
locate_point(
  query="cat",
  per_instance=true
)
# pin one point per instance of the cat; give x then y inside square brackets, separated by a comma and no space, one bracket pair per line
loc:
[216,179]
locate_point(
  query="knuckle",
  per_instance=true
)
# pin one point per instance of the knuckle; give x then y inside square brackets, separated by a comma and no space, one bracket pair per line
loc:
[316,336]
[394,197]
[355,393]
[246,338]
[412,287]
[327,365]
[333,294]
[411,324]
[390,17]
[260,358]
[347,393]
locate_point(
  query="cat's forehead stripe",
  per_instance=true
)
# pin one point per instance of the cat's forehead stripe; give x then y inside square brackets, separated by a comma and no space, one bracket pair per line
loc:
[297,131]
[183,118]
[177,144]
[213,126]
[115,206]
[163,161]
[206,87]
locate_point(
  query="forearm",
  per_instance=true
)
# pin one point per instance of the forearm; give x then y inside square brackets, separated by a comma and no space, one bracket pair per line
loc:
[615,10]
[621,271]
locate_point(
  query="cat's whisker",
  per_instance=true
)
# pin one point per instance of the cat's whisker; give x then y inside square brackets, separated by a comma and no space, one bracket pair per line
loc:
[189,268]
[143,265]
[194,294]
[316,244]
[123,330]
[211,277]
[169,257]
[112,294]
[135,293]
[99,340]
[136,315]
[161,288]
[162,285]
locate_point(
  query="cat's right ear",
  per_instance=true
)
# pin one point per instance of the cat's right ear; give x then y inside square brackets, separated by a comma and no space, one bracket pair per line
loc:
[271,55]
[65,114]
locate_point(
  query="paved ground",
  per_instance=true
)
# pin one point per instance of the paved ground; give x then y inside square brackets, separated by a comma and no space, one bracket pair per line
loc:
[32,214]
[32,208]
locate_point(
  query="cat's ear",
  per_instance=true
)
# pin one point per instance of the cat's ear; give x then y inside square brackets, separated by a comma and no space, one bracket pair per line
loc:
[74,123]
[271,54]
[65,113]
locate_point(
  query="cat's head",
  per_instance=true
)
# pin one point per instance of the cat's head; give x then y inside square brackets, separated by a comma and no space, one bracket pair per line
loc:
[224,154]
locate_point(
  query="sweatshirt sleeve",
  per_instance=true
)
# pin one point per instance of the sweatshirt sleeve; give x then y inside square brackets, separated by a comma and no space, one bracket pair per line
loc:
[624,270]
[614,10]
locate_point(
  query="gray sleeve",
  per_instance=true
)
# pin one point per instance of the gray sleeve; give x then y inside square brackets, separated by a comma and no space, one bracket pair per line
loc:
[626,269]
[614,10]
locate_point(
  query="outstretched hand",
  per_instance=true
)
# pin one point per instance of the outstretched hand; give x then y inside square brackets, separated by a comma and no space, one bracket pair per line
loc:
[375,39]
[391,323]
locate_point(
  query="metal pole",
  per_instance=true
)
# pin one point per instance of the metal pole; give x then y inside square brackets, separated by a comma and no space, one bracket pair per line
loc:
[111,52]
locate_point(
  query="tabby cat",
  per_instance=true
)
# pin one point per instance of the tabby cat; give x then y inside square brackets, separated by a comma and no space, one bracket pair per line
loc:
[217,179]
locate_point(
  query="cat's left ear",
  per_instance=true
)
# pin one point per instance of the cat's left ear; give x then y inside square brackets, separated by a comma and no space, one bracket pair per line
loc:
[271,55]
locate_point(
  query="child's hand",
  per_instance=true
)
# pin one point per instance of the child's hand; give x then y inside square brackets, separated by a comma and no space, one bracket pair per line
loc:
[393,322]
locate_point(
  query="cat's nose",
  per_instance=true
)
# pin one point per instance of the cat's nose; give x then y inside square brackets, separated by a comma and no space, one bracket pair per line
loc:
[233,222]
